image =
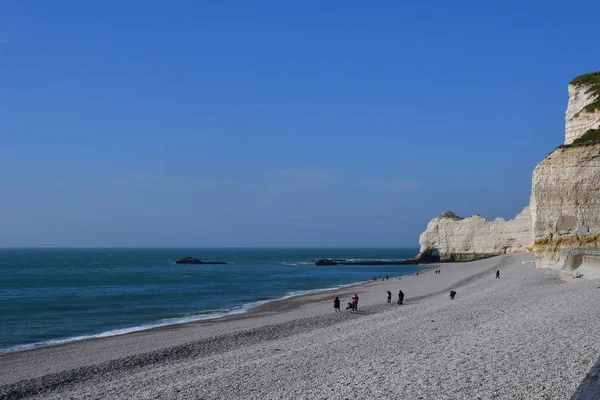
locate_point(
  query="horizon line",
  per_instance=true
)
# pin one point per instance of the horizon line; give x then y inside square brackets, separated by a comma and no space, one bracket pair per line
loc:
[195,247]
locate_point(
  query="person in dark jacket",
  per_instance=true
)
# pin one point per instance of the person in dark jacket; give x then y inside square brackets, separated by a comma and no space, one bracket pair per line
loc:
[336,304]
[389,298]
[452,294]
[498,274]
[400,297]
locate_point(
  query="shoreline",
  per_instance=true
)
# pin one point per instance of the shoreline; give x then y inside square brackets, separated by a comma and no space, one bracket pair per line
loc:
[85,351]
[491,340]
[247,309]
[287,308]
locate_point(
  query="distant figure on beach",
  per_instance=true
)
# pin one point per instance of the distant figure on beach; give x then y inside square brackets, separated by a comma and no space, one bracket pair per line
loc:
[497,274]
[350,306]
[400,297]
[336,304]
[387,277]
[417,274]
[389,296]
[452,294]
[355,302]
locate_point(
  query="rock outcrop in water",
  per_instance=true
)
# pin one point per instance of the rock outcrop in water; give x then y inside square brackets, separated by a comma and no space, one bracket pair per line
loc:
[466,239]
[326,262]
[192,260]
[565,193]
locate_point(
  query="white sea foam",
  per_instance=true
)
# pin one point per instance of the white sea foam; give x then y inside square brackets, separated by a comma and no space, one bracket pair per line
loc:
[296,263]
[211,314]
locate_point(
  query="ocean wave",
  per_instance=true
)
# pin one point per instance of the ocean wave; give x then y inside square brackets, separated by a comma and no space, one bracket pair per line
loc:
[313,291]
[199,316]
[296,263]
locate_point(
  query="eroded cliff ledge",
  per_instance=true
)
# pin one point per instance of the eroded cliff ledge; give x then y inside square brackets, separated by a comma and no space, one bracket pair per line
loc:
[583,110]
[565,204]
[565,190]
[473,238]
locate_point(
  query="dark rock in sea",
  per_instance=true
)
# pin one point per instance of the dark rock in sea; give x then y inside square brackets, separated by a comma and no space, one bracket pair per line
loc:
[192,260]
[326,261]
[188,260]
[331,261]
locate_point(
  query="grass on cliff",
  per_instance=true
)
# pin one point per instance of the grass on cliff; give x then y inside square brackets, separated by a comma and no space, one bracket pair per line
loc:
[591,136]
[593,80]
[451,215]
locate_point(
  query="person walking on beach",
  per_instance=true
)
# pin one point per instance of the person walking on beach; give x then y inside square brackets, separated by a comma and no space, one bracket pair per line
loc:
[355,302]
[336,304]
[389,297]
[498,274]
[452,294]
[400,297]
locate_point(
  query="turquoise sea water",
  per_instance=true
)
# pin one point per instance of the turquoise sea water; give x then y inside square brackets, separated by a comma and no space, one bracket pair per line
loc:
[53,295]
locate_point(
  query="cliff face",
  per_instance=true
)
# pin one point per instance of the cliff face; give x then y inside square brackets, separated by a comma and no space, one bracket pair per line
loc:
[472,238]
[561,227]
[578,119]
[565,192]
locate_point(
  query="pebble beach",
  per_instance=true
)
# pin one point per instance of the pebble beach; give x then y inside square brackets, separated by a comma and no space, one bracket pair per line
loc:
[532,334]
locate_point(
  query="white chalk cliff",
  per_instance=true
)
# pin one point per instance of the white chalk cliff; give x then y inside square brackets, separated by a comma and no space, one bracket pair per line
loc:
[466,239]
[565,192]
[565,203]
[578,119]
[561,226]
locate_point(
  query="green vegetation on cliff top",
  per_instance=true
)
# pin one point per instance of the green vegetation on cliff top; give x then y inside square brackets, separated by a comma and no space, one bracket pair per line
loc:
[451,215]
[590,137]
[593,81]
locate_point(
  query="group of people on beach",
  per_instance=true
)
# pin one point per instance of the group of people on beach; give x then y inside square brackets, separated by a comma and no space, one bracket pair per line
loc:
[400,297]
[383,278]
[353,305]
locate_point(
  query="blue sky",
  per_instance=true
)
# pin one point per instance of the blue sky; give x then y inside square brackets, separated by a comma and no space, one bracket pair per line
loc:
[269,123]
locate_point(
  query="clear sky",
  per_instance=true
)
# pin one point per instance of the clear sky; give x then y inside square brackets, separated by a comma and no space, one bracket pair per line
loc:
[276,123]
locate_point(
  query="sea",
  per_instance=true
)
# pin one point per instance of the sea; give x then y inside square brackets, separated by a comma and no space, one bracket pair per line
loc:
[52,296]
